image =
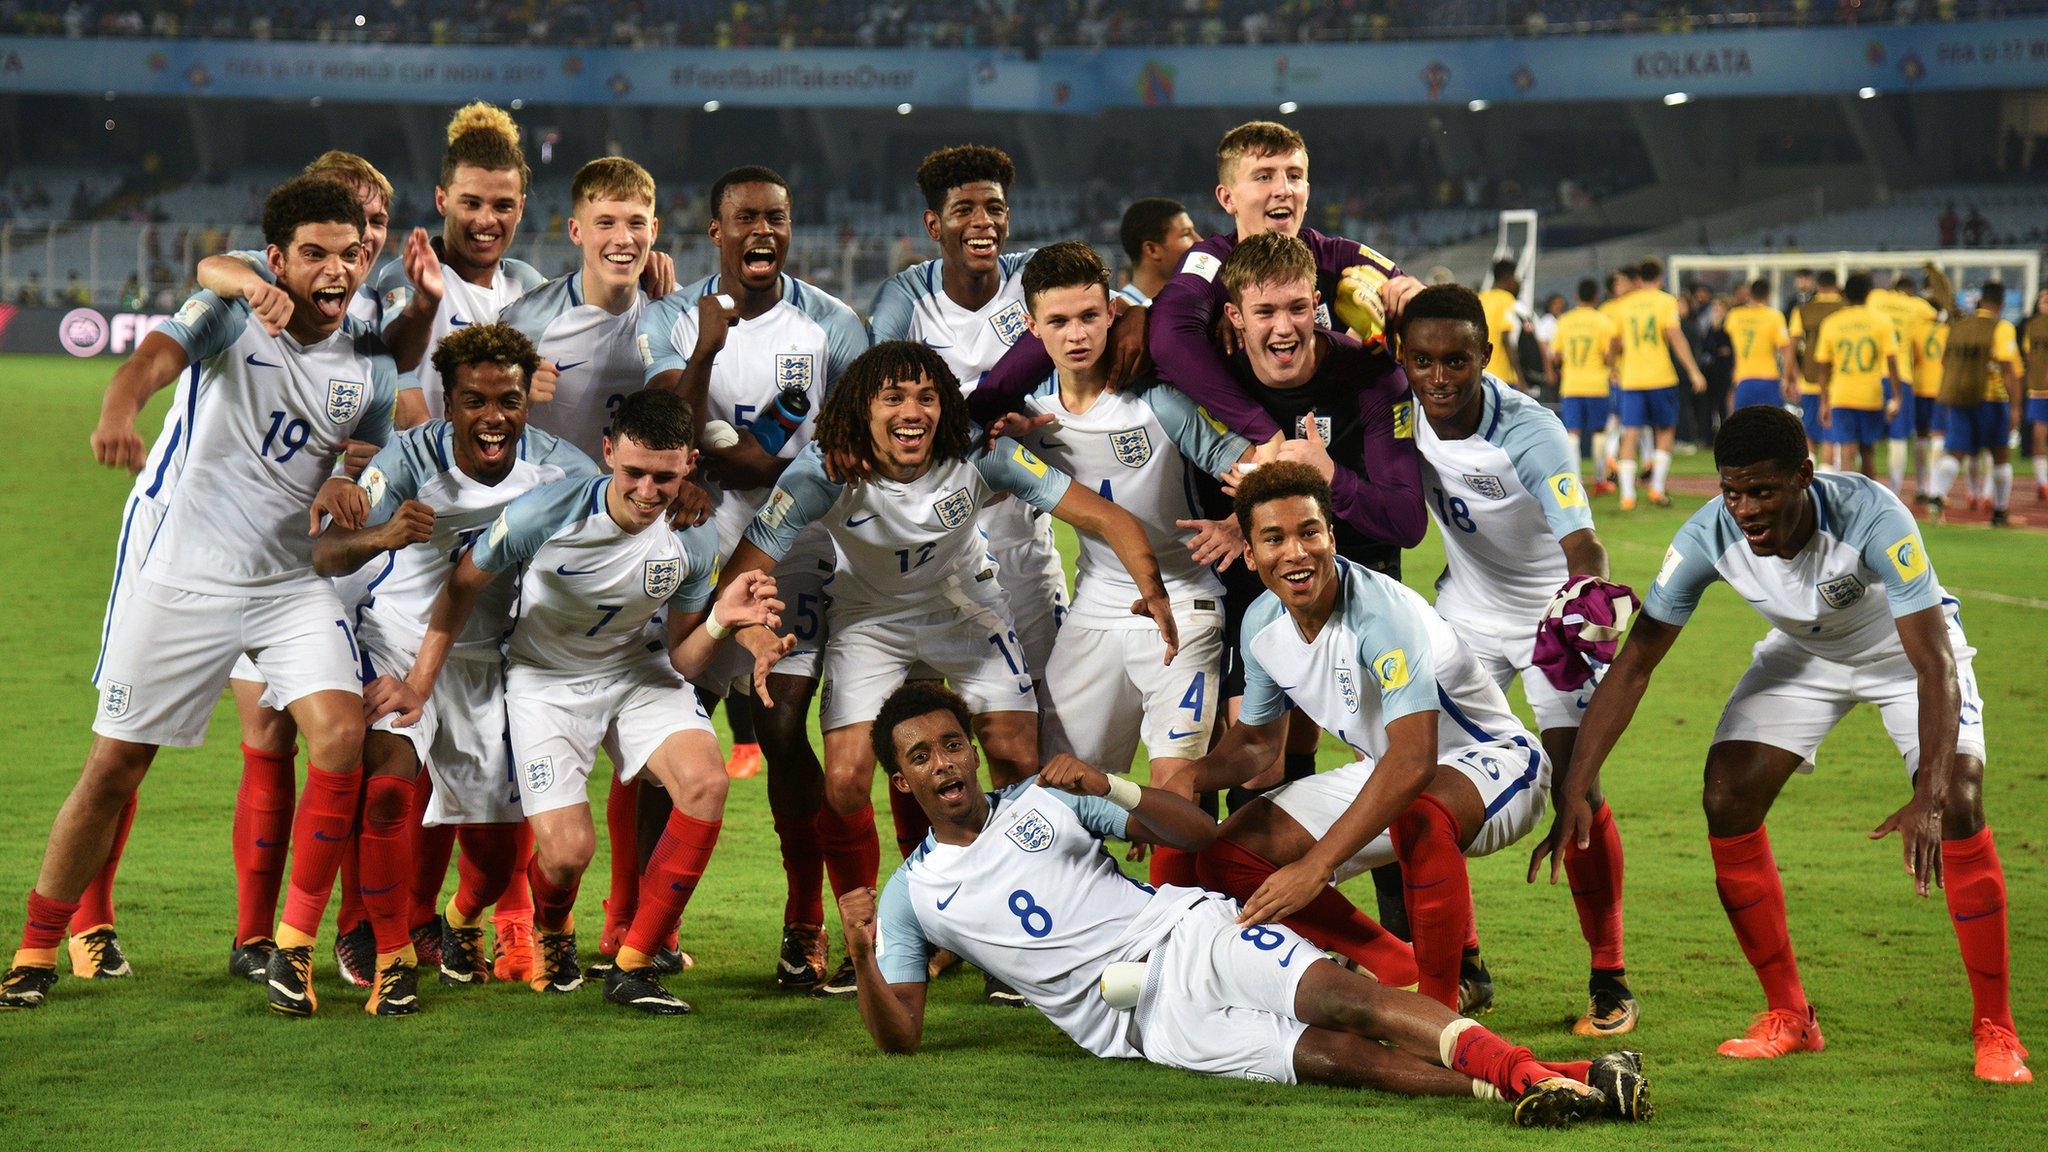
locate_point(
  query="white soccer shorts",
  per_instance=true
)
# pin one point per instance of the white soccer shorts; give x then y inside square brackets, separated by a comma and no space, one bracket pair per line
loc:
[970,643]
[1034,585]
[170,653]
[139,522]
[460,736]
[1109,687]
[1219,997]
[1792,699]
[1505,658]
[558,724]
[801,580]
[1512,776]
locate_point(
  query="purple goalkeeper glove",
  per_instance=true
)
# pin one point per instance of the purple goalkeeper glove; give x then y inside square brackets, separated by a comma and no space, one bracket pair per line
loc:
[1582,626]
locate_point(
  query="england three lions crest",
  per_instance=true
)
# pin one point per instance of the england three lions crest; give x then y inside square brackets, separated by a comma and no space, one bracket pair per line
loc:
[1487,486]
[1841,592]
[345,399]
[954,508]
[1132,447]
[662,576]
[1032,833]
[1322,428]
[1009,323]
[1349,689]
[115,698]
[793,370]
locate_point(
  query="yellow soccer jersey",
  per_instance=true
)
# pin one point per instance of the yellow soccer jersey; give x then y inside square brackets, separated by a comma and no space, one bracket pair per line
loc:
[1908,315]
[1857,340]
[1927,375]
[1501,329]
[1645,315]
[1585,345]
[1758,332]
[1797,327]
[2005,349]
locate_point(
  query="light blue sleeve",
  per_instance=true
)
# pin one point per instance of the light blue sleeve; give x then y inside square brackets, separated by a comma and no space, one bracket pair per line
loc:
[700,549]
[523,274]
[1393,647]
[529,314]
[549,450]
[1264,702]
[802,495]
[398,470]
[393,291]
[901,950]
[258,260]
[206,325]
[889,316]
[1688,569]
[1884,532]
[845,338]
[1096,814]
[1010,467]
[533,519]
[377,421]
[1207,444]
[657,337]
[1535,441]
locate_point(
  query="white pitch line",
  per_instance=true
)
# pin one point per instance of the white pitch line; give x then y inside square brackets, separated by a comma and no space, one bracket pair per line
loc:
[2000,598]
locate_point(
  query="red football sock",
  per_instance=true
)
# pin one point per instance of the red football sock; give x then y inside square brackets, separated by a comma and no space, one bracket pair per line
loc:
[911,825]
[1439,894]
[516,905]
[1976,904]
[1173,866]
[672,874]
[490,853]
[432,848]
[1576,1069]
[262,837]
[1472,934]
[853,857]
[1595,875]
[351,910]
[1482,1055]
[552,904]
[803,868]
[622,821]
[320,831]
[387,859]
[47,920]
[1329,921]
[1747,877]
[96,906]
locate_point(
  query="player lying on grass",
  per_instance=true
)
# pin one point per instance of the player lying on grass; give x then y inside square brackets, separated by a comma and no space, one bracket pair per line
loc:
[1017,882]
[1836,565]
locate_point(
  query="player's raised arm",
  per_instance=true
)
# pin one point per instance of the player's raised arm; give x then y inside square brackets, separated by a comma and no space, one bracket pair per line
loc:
[231,276]
[1155,816]
[155,363]
[745,601]
[893,1013]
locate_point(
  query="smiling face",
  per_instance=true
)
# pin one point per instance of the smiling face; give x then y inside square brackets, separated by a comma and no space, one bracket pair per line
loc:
[645,481]
[1768,502]
[480,210]
[487,405]
[320,270]
[1276,324]
[971,225]
[937,766]
[752,231]
[616,237]
[376,224]
[1443,359]
[903,420]
[1267,193]
[1293,552]
[1074,324]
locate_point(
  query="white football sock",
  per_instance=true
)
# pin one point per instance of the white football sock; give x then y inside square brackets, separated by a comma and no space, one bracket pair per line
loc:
[2041,470]
[1895,458]
[2001,486]
[1945,470]
[1627,468]
[1660,467]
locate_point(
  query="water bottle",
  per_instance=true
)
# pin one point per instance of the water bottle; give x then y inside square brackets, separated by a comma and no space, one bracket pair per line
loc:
[780,420]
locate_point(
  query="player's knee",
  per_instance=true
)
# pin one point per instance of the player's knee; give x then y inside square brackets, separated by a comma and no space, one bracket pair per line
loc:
[1963,812]
[268,730]
[114,770]
[336,747]
[566,856]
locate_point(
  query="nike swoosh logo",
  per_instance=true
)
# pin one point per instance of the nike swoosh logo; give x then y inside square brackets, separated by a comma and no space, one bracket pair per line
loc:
[1732,910]
[457,322]
[251,360]
[1177,734]
[379,891]
[931,345]
[324,838]
[1050,444]
[949,897]
[286,992]
[565,570]
[853,523]
[1965,917]
[572,364]
[1431,884]
[262,843]
[1284,960]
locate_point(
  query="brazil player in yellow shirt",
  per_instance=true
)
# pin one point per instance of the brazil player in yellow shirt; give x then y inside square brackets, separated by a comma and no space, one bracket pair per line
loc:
[1758,332]
[1650,339]
[1856,355]
[1912,316]
[1583,356]
[1505,318]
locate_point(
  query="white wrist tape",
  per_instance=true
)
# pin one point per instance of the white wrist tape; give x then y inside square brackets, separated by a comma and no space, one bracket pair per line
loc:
[1124,792]
[717,630]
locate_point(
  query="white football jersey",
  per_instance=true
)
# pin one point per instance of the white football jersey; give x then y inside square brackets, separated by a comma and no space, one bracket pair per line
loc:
[462,304]
[903,547]
[1135,449]
[419,464]
[806,340]
[590,347]
[590,588]
[263,419]
[1035,901]
[1502,498]
[1864,567]
[1383,654]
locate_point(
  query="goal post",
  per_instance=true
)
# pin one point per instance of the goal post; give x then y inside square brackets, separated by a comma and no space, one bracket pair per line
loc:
[1516,240]
[1968,269]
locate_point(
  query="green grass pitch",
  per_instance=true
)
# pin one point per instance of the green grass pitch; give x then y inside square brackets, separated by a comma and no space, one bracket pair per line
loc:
[181,1057]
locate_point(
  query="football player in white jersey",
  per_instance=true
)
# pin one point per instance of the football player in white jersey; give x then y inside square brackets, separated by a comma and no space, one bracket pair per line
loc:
[1156,232]
[1502,485]
[433,490]
[462,276]
[1835,563]
[1444,770]
[1140,449]
[229,573]
[599,564]
[1018,881]
[915,585]
[749,342]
